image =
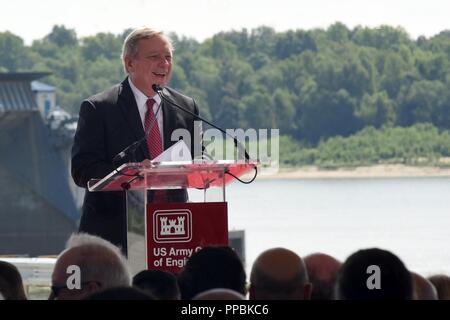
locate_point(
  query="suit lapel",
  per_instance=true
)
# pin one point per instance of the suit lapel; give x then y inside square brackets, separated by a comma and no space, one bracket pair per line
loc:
[127,103]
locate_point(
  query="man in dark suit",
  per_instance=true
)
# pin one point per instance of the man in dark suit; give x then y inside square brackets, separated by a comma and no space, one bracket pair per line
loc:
[112,120]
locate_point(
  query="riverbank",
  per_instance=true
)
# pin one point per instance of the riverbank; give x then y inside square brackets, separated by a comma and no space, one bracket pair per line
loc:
[376,171]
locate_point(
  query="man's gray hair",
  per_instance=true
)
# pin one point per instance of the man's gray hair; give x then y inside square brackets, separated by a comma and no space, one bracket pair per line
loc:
[130,45]
[100,260]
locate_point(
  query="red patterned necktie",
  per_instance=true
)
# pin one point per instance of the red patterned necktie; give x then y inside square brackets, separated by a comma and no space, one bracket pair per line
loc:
[154,142]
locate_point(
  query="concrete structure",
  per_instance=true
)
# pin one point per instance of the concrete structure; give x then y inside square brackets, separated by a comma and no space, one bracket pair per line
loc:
[37,206]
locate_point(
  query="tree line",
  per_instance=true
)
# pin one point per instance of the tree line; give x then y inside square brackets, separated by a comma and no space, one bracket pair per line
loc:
[325,89]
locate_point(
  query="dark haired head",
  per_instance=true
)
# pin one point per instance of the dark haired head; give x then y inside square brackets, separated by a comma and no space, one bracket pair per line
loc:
[212,267]
[374,274]
[11,285]
[161,284]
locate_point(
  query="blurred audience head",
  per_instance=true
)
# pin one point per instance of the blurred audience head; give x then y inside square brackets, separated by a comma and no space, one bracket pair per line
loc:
[219,294]
[442,284]
[87,265]
[423,288]
[374,274]
[161,284]
[11,285]
[279,274]
[209,268]
[322,272]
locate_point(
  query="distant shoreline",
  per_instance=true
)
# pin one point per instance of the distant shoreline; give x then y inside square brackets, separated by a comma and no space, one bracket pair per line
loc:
[376,171]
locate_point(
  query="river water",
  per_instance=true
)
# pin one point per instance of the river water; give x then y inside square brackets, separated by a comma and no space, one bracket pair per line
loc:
[407,216]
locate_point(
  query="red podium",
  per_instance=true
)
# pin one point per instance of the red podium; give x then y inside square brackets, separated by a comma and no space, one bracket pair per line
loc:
[163,236]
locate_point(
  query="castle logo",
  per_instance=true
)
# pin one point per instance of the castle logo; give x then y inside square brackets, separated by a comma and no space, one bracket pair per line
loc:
[172,225]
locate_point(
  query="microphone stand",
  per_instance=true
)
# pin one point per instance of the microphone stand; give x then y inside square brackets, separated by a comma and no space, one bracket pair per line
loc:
[237,144]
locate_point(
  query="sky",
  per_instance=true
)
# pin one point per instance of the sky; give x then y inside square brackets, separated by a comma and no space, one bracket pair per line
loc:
[201,19]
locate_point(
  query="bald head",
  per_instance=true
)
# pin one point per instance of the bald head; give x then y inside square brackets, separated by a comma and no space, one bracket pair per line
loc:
[321,266]
[322,271]
[279,274]
[423,288]
[219,294]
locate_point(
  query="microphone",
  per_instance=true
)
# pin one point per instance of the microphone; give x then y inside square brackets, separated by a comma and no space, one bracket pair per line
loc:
[131,149]
[237,144]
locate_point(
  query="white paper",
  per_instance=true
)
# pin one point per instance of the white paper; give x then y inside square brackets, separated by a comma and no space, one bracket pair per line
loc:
[178,152]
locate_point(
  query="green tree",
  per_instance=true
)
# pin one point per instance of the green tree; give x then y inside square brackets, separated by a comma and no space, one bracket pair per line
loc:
[377,110]
[432,66]
[292,43]
[259,110]
[325,114]
[101,45]
[283,104]
[62,37]
[338,32]
[12,51]
[420,102]
[396,73]
[384,37]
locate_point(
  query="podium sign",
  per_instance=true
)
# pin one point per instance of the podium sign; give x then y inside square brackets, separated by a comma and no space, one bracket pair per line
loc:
[174,231]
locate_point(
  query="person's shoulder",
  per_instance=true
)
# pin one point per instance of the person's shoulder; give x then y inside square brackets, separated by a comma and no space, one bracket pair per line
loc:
[177,96]
[107,96]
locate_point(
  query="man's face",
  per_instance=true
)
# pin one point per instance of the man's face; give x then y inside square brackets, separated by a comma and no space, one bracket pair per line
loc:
[151,65]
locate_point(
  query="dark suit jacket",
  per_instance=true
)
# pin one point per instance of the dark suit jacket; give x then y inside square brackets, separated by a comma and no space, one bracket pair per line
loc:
[108,123]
